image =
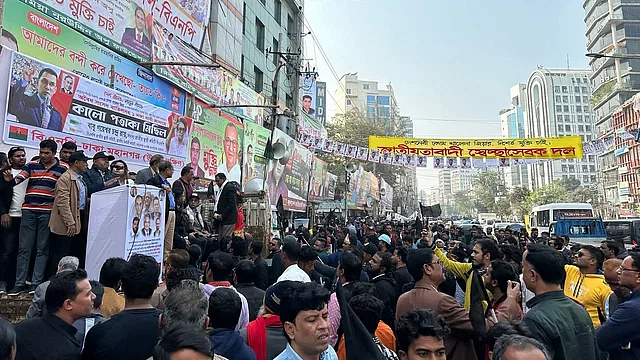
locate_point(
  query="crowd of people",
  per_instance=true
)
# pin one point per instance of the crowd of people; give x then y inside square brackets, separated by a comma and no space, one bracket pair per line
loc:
[368,290]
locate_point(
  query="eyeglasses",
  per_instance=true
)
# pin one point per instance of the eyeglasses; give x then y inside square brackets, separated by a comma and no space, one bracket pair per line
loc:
[625,269]
[438,262]
[231,142]
[181,129]
[118,167]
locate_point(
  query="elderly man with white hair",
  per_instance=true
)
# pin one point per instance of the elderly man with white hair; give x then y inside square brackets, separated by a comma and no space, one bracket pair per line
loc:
[37,307]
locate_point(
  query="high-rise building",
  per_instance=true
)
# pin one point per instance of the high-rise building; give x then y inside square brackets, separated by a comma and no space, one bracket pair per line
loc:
[444,186]
[365,98]
[462,180]
[276,25]
[512,124]
[611,30]
[558,104]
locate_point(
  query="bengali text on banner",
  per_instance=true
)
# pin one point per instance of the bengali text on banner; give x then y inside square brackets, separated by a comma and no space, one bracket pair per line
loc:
[568,147]
[97,118]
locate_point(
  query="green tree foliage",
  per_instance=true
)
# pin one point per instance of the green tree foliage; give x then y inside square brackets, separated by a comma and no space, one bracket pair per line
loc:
[463,204]
[487,185]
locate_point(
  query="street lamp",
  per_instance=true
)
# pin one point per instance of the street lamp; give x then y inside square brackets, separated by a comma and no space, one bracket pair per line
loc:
[613,56]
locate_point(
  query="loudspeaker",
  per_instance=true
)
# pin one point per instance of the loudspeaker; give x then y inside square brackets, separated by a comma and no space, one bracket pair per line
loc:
[351,168]
[279,150]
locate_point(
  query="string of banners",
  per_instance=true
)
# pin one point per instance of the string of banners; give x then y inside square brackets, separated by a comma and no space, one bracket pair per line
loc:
[452,153]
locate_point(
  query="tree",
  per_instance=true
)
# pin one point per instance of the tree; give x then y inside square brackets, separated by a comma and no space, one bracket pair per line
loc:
[463,204]
[517,198]
[488,184]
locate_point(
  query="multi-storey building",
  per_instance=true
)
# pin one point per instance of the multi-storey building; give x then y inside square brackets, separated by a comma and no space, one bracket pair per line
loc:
[612,29]
[512,125]
[365,98]
[558,104]
[462,180]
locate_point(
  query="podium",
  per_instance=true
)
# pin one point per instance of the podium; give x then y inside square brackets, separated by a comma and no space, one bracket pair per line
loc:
[123,221]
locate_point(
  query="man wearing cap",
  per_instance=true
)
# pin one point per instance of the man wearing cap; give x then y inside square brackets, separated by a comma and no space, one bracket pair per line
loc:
[384,243]
[265,335]
[70,199]
[99,177]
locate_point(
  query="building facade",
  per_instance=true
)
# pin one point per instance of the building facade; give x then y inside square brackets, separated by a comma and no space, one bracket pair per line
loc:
[462,180]
[273,25]
[365,98]
[626,198]
[612,29]
[512,125]
[558,104]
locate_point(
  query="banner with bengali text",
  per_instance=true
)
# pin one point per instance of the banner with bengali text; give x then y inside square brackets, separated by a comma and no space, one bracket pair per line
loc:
[131,27]
[51,41]
[568,147]
[216,142]
[97,118]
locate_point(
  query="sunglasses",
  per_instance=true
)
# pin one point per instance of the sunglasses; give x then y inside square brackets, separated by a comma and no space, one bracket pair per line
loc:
[118,167]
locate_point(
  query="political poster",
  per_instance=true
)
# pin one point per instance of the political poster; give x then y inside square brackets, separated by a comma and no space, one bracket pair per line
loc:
[332,181]
[131,27]
[309,94]
[254,162]
[288,176]
[386,195]
[51,41]
[45,101]
[317,190]
[145,222]
[216,142]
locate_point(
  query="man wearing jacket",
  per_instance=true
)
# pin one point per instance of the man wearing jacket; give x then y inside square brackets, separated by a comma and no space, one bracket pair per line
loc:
[557,321]
[165,171]
[70,200]
[144,175]
[620,334]
[99,177]
[225,210]
[381,269]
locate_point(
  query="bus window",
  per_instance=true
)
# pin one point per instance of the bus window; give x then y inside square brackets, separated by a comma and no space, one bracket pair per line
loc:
[543,218]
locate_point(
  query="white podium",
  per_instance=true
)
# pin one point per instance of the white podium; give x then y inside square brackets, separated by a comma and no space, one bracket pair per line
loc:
[123,221]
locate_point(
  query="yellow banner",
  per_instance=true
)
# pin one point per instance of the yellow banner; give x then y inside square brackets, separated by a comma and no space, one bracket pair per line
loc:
[567,147]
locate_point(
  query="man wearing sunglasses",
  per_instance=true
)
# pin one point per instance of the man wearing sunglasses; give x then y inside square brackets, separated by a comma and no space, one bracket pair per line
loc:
[585,281]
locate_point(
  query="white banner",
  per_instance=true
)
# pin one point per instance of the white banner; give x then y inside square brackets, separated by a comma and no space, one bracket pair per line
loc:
[145,222]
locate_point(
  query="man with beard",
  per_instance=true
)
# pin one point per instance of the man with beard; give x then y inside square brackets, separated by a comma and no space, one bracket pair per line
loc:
[381,269]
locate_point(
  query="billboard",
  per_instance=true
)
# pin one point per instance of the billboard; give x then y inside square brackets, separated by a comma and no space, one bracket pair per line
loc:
[332,181]
[216,142]
[386,195]
[254,162]
[321,102]
[46,39]
[289,176]
[131,27]
[45,101]
[318,187]
[308,88]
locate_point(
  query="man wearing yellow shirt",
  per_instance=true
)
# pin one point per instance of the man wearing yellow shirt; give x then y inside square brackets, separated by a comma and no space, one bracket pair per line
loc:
[585,281]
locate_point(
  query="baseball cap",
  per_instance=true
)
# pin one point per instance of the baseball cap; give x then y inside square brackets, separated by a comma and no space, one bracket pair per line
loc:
[102,155]
[78,156]
[273,297]
[385,238]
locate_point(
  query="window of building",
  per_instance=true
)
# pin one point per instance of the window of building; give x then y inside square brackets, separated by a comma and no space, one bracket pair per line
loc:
[559,118]
[572,168]
[559,108]
[244,17]
[371,99]
[578,99]
[556,89]
[567,128]
[259,76]
[565,177]
[584,89]
[576,89]
[592,168]
[593,178]
[383,100]
[587,128]
[585,99]
[589,137]
[276,46]
[290,25]
[585,178]
[558,98]
[560,128]
[585,168]
[289,101]
[579,108]
[259,35]
[579,118]
[566,108]
[348,101]
[365,86]
[564,168]
[565,99]
[348,91]
[580,128]
[565,89]
[277,12]
[567,118]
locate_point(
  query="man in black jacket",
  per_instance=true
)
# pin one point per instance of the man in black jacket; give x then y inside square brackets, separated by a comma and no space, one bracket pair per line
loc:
[225,210]
[401,275]
[165,171]
[52,336]
[244,278]
[262,271]
[386,285]
[99,177]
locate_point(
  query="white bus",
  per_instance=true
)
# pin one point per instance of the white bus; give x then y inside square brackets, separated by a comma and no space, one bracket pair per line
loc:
[542,216]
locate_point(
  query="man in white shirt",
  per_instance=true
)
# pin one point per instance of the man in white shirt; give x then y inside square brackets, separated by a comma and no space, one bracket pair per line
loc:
[289,256]
[231,166]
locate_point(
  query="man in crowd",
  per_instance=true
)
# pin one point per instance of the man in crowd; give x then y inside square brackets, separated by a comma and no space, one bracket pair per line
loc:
[83,325]
[381,269]
[421,334]
[610,249]
[427,271]
[38,305]
[36,212]
[111,279]
[620,293]
[145,174]
[585,283]
[184,342]
[384,243]
[67,149]
[224,311]
[369,310]
[620,334]
[183,184]
[265,335]
[165,171]
[132,333]
[515,347]
[244,278]
[262,271]
[52,336]
[563,326]
[176,259]
[499,274]
[304,316]
[217,274]
[11,200]
[99,177]
[290,255]
[401,275]
[320,245]
[70,201]
[225,211]
[7,340]
[349,270]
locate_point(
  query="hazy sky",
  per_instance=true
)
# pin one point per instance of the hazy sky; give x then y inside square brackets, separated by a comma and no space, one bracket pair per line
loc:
[453,60]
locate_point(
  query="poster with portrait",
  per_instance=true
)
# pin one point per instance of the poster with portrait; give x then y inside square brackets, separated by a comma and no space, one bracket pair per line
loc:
[352,151]
[289,176]
[492,162]
[421,161]
[254,162]
[332,181]
[438,163]
[306,139]
[452,163]
[339,148]
[504,162]
[318,143]
[308,87]
[363,153]
[219,137]
[145,224]
[398,159]
[328,146]
[465,163]
[45,101]
[374,156]
[410,160]
[318,186]
[385,157]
